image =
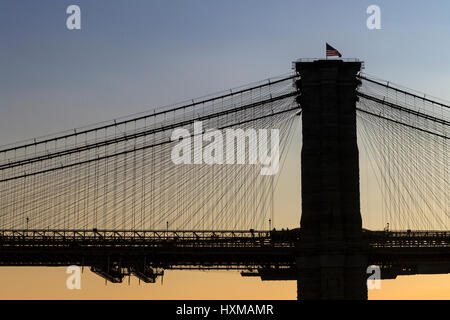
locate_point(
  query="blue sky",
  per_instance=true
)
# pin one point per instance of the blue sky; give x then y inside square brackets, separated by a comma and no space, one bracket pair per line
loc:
[133,55]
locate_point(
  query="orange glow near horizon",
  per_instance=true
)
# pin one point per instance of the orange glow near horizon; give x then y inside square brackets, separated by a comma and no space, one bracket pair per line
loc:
[50,283]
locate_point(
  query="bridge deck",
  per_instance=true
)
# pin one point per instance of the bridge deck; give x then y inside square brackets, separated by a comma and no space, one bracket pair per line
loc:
[270,255]
[175,248]
[285,238]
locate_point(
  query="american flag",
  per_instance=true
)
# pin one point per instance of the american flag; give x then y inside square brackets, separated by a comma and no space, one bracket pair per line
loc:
[332,51]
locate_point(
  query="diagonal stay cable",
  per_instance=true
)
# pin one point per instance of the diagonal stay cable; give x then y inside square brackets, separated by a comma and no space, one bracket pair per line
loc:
[401,123]
[395,106]
[154,114]
[403,91]
[134,149]
[140,134]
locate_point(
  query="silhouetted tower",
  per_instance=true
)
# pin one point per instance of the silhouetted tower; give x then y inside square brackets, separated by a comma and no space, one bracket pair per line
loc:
[331,228]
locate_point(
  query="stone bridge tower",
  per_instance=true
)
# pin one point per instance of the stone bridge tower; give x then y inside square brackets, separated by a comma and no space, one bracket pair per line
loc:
[331,229]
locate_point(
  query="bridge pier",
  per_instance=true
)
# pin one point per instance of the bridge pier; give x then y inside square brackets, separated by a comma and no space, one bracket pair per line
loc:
[335,261]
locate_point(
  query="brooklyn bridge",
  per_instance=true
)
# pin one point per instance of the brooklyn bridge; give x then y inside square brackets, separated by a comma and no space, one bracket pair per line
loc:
[109,197]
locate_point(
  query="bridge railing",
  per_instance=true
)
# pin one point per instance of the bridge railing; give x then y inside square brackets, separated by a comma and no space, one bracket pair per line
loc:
[174,234]
[207,238]
[411,233]
[141,238]
[403,239]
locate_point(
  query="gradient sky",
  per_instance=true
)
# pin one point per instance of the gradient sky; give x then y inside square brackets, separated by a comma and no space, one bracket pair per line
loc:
[134,55]
[131,56]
